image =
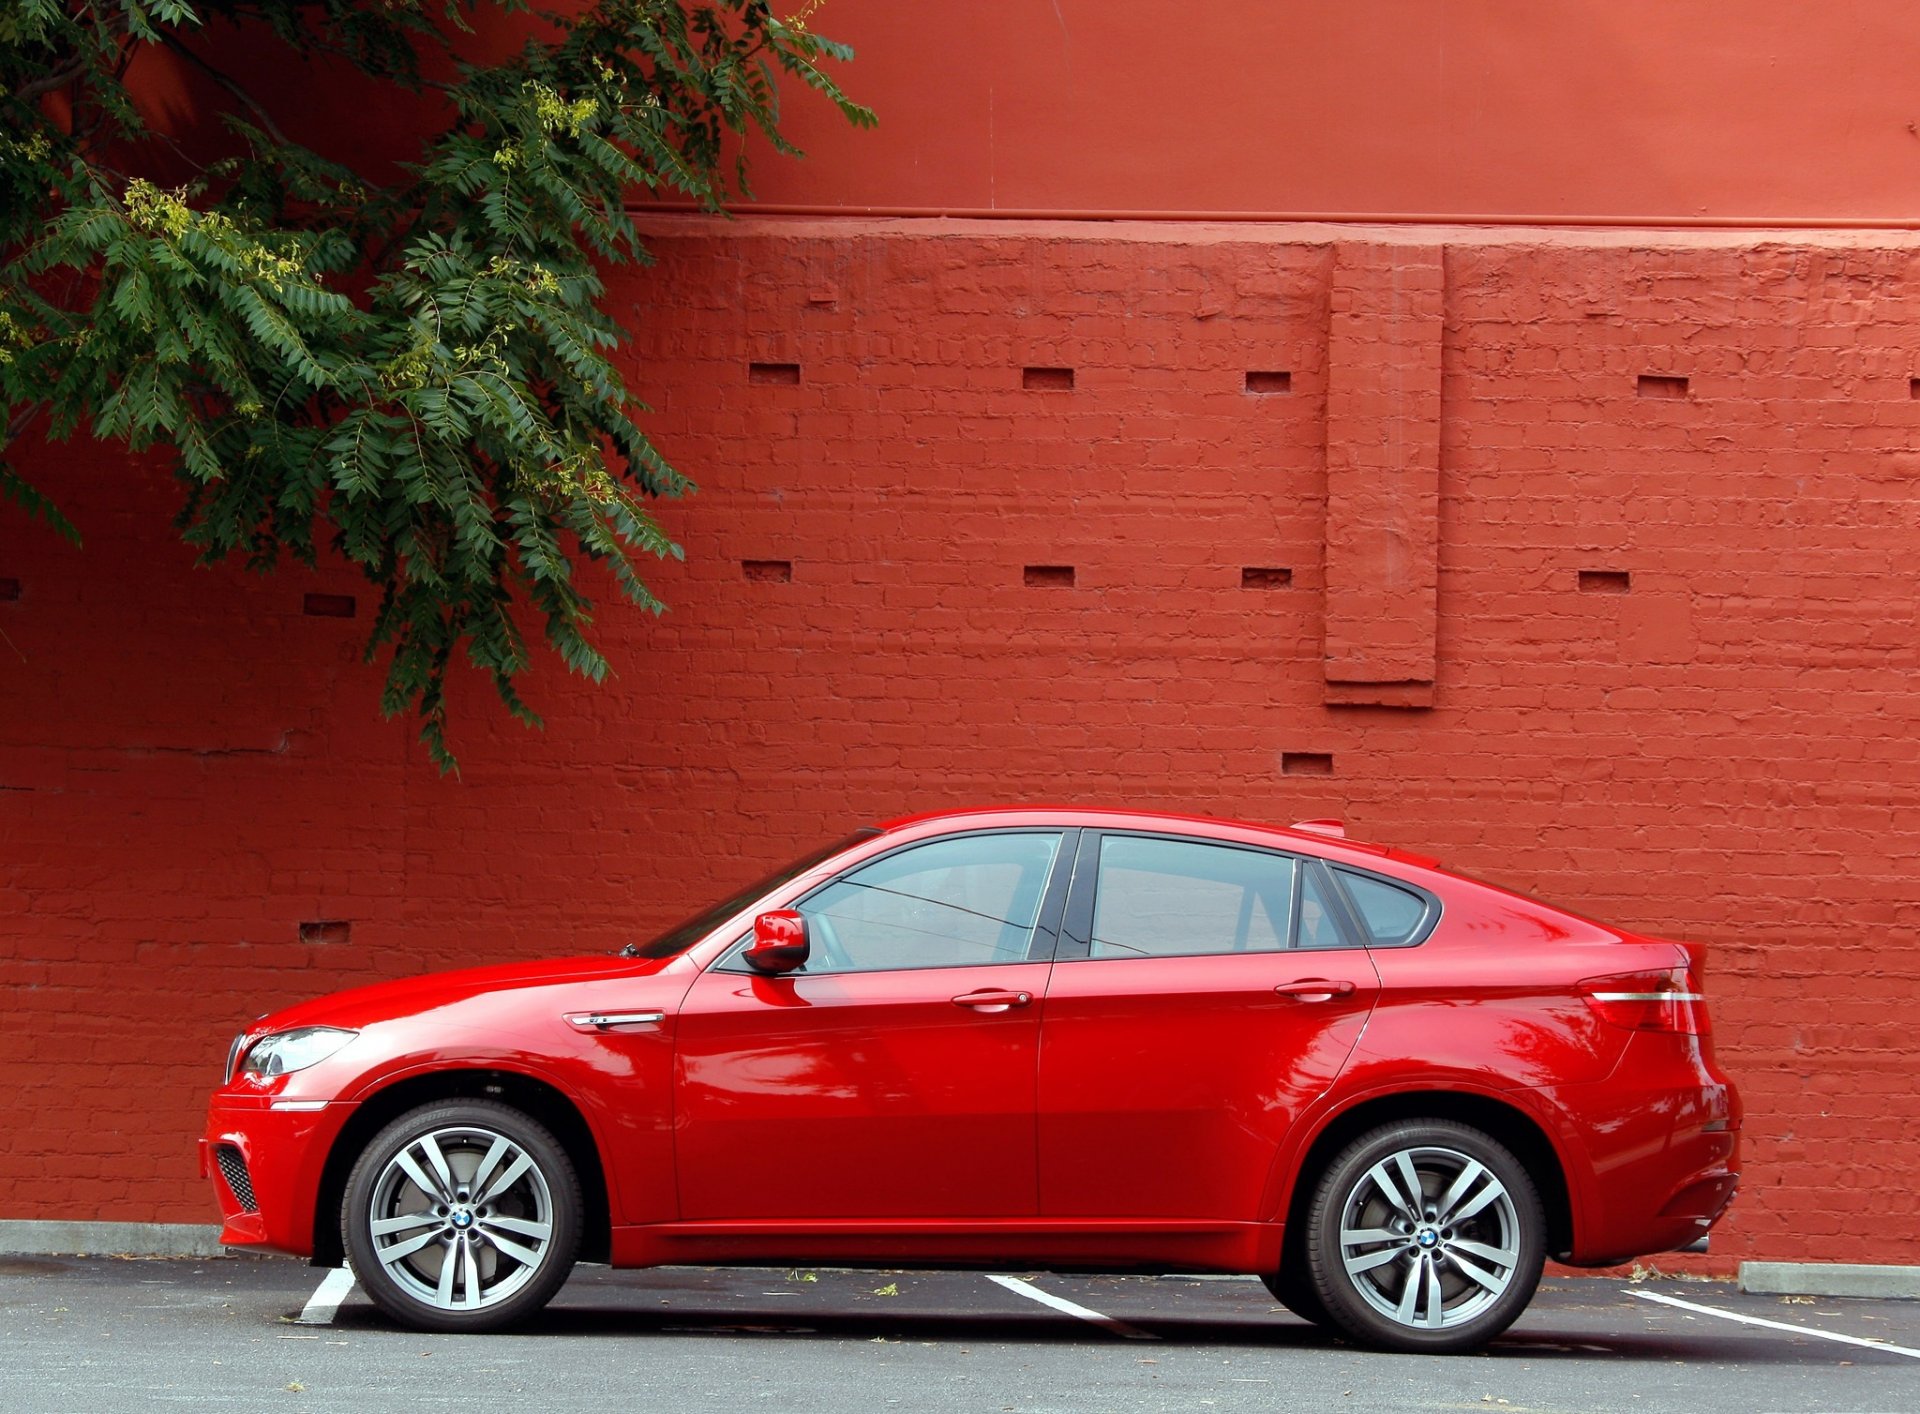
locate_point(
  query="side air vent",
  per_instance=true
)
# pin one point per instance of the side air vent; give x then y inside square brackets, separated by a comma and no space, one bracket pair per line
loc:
[233,1168]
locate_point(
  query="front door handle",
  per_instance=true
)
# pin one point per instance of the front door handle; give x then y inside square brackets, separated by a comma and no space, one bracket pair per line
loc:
[609,1020]
[992,999]
[1315,989]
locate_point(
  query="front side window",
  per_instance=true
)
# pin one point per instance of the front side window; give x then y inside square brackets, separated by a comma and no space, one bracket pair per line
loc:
[1170,898]
[1319,928]
[948,903]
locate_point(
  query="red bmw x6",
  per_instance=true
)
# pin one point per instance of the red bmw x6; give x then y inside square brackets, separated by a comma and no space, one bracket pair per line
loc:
[1092,1040]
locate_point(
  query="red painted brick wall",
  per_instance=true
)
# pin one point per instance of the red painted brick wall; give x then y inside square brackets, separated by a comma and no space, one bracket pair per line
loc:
[1674,655]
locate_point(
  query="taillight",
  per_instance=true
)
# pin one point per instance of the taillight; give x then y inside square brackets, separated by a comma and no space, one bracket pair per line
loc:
[1667,1000]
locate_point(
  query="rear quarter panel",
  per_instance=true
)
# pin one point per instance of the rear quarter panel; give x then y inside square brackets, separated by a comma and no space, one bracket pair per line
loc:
[1490,1005]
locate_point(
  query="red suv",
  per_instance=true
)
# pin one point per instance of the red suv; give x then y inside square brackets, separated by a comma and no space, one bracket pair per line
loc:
[1067,1039]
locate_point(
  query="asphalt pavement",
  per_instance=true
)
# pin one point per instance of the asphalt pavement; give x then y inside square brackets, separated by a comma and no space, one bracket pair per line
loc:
[101,1335]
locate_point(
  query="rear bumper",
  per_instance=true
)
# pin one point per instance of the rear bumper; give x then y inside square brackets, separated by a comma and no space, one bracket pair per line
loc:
[1663,1138]
[265,1165]
[1665,1204]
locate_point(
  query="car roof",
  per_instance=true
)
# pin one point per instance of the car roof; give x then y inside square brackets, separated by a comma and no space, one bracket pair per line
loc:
[1323,841]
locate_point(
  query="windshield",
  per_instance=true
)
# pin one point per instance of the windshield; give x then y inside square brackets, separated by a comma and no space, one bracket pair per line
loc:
[682,936]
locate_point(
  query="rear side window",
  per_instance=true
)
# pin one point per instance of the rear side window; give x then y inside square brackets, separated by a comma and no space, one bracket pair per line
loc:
[1171,898]
[1390,913]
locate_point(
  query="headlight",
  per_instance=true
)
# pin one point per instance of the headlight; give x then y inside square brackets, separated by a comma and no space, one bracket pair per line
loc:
[286,1051]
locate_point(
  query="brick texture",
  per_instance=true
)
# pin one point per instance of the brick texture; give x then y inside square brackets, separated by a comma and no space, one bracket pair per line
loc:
[1714,734]
[1383,474]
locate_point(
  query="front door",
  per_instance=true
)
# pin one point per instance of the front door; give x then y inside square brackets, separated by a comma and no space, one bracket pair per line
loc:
[894,1075]
[1185,1027]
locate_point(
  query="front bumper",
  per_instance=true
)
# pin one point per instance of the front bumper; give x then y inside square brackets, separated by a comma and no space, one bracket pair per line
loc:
[266,1160]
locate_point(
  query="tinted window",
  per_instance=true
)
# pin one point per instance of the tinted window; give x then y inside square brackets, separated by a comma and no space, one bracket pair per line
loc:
[1319,928]
[950,903]
[1163,898]
[1391,914]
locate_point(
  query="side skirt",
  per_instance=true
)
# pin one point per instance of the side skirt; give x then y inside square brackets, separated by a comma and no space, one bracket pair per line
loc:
[1097,1245]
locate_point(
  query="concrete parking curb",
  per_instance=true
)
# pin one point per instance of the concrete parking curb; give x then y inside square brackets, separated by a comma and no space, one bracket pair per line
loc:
[1829,1279]
[24,1237]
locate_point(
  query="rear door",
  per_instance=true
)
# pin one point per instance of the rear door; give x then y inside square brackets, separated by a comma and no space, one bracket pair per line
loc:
[1204,993]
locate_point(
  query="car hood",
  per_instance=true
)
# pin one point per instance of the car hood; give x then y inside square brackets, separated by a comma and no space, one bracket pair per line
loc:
[440,991]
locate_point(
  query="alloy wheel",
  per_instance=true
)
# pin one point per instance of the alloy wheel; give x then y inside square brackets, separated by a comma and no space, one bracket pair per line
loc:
[1429,1237]
[461,1218]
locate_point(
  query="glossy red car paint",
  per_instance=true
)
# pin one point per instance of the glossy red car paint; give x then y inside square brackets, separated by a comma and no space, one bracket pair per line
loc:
[1122,1112]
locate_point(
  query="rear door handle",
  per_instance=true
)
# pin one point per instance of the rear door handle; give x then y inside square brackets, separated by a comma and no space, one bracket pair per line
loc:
[1315,989]
[992,999]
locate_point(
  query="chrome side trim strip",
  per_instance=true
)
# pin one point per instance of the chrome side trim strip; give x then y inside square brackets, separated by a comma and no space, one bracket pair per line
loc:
[298,1105]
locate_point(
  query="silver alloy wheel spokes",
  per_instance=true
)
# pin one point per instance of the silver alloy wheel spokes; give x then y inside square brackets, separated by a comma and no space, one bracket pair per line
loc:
[461,1218]
[1429,1237]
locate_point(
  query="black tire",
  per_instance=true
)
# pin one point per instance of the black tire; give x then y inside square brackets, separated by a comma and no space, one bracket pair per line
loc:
[1444,1272]
[1293,1289]
[438,1251]
[1292,1285]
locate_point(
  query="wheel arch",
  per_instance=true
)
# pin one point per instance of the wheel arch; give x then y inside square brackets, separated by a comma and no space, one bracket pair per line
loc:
[536,1098]
[1507,1123]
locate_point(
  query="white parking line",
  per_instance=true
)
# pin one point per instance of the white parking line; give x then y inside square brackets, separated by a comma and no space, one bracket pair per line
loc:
[1060,1303]
[1773,1325]
[327,1297]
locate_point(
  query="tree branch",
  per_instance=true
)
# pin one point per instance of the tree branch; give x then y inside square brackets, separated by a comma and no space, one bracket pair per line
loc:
[253,105]
[50,83]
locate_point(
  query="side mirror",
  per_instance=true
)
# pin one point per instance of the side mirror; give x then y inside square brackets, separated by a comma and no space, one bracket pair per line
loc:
[779,941]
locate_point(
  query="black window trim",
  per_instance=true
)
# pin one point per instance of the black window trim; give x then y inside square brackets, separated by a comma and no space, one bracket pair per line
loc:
[1346,922]
[1076,924]
[1046,924]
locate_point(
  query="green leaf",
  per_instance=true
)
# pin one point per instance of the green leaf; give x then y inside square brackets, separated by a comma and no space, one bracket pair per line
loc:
[414,365]
[20,491]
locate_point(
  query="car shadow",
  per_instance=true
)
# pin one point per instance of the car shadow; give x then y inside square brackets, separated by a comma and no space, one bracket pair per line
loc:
[586,1318]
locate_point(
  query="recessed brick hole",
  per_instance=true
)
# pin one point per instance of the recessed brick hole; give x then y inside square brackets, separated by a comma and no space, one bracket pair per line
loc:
[1050,576]
[1269,382]
[9,590]
[1055,380]
[326,930]
[785,374]
[1306,763]
[328,606]
[1659,385]
[1605,581]
[1265,577]
[1913,387]
[768,571]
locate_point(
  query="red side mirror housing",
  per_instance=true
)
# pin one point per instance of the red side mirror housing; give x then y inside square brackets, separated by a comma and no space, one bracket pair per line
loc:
[779,941]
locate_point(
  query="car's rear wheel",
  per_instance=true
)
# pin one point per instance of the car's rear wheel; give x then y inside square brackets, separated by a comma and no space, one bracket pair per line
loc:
[1425,1236]
[1293,1289]
[462,1216]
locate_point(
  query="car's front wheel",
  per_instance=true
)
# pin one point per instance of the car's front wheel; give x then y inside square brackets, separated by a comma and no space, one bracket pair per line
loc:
[462,1216]
[1425,1236]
